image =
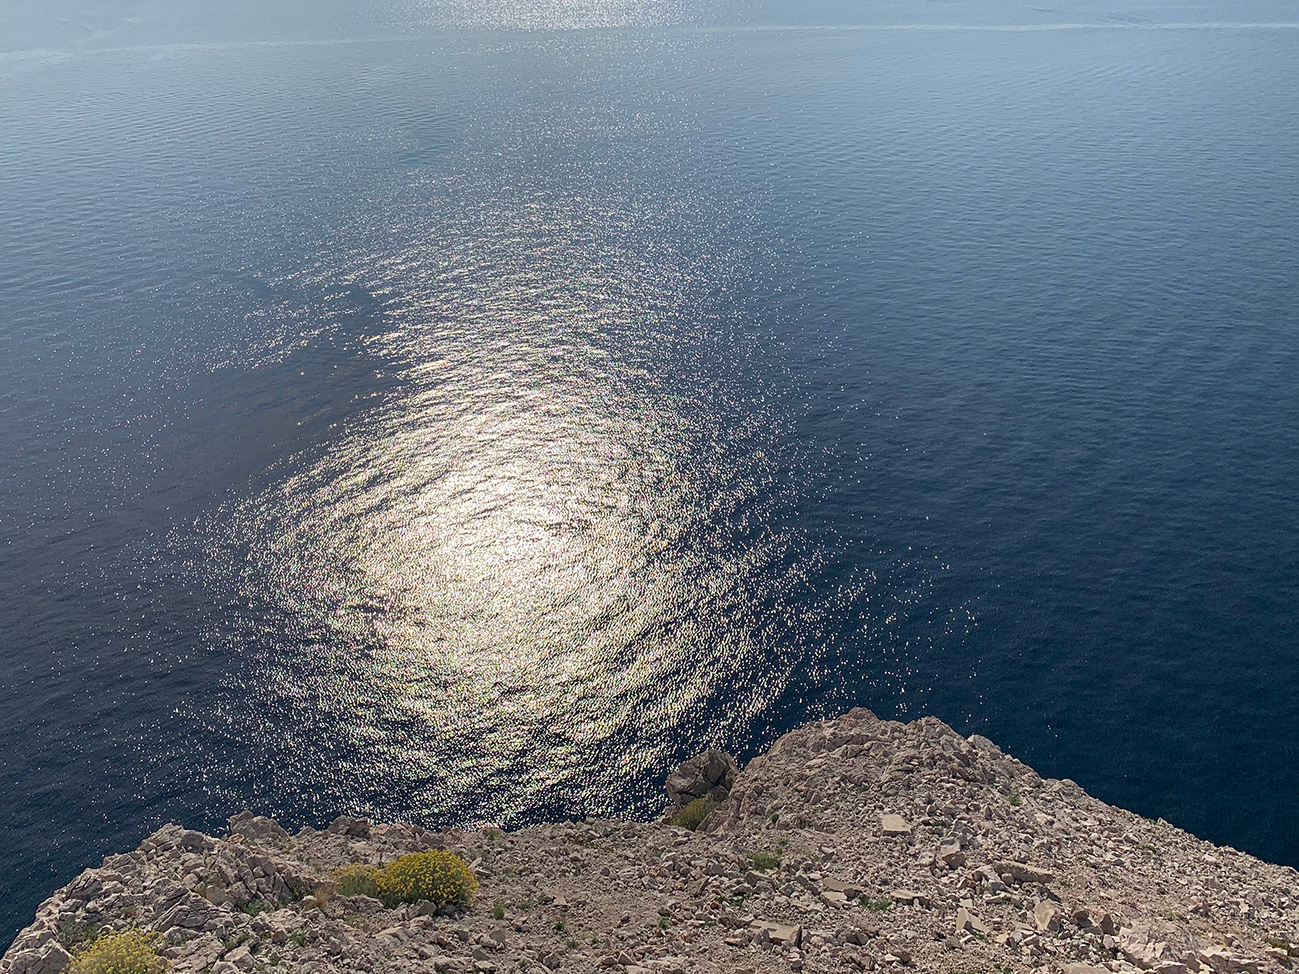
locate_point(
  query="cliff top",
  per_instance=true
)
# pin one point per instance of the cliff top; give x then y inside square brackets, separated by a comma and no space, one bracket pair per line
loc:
[853,844]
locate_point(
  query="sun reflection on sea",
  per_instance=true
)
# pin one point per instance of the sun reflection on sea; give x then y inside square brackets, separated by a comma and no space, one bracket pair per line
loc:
[545,14]
[539,553]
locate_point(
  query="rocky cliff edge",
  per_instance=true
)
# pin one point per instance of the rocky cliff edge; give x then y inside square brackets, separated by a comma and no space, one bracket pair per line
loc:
[855,844]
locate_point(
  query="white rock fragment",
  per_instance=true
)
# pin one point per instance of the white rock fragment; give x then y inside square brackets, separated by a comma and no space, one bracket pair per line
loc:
[1046,915]
[893,824]
[910,896]
[950,853]
[965,920]
[779,933]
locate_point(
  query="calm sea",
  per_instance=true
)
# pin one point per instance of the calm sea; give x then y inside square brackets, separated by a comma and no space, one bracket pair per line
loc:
[462,411]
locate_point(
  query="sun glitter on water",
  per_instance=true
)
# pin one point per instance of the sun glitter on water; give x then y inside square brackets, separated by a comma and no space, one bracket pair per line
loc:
[525,562]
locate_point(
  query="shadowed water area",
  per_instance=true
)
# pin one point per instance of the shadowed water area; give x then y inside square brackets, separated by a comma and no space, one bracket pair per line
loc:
[464,411]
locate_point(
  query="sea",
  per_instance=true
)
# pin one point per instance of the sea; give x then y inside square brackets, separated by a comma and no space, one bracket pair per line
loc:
[463,411]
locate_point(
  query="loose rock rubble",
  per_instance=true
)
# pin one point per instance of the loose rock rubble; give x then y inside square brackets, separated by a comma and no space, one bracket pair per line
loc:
[854,845]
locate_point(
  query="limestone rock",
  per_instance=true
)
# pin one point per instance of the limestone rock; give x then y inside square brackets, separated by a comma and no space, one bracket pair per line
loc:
[241,958]
[949,851]
[779,933]
[256,827]
[910,896]
[1047,917]
[1155,948]
[893,824]
[192,841]
[48,959]
[192,913]
[1223,960]
[707,775]
[849,890]
[1016,872]
[358,828]
[885,844]
[965,920]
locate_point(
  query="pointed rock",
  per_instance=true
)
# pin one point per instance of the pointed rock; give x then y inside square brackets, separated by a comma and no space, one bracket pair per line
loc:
[1047,917]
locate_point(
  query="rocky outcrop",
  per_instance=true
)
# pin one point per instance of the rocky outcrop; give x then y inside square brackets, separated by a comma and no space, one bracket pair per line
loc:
[709,775]
[855,844]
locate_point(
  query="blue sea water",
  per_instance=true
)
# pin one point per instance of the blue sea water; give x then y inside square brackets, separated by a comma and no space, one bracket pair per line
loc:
[462,411]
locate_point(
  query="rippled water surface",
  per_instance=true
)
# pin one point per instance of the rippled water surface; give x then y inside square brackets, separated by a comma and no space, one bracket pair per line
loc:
[463,410]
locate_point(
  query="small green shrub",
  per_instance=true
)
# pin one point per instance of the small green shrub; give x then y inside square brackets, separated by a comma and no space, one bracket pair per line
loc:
[693,815]
[128,952]
[498,911]
[878,906]
[765,861]
[73,935]
[1282,944]
[357,880]
[439,877]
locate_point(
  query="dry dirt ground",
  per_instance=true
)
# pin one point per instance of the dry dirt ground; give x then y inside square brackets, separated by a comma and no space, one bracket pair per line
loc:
[854,844]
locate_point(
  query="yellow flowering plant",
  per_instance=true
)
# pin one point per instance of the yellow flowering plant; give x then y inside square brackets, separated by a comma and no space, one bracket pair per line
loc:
[125,952]
[439,877]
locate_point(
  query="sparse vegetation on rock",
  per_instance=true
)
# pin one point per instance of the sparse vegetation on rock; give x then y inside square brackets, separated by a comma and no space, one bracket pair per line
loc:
[126,952]
[435,877]
[692,816]
[853,845]
[357,880]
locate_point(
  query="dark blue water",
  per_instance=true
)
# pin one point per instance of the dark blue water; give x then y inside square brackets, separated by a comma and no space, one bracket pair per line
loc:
[462,411]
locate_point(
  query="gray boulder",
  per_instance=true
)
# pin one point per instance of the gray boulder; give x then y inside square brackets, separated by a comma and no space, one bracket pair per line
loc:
[707,775]
[256,827]
[51,958]
[356,828]
[191,913]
